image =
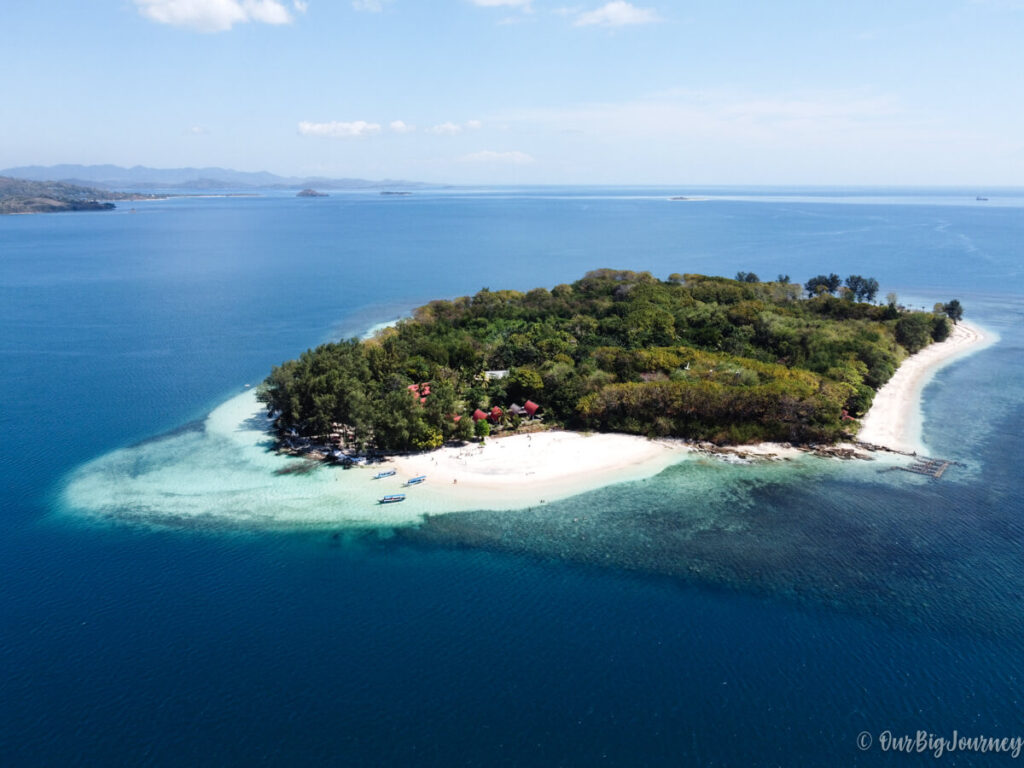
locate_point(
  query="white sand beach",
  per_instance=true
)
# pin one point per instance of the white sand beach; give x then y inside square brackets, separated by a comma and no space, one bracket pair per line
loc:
[523,470]
[894,419]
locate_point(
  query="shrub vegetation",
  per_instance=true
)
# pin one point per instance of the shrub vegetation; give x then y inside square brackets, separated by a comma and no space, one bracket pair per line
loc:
[700,357]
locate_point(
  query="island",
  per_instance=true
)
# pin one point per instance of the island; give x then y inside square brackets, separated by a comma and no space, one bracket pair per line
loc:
[510,400]
[724,361]
[311,193]
[23,196]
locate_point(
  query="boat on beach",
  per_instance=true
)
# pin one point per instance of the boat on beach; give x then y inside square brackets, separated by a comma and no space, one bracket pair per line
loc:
[392,498]
[385,473]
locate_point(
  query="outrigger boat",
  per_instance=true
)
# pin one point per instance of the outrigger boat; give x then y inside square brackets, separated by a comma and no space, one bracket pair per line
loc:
[392,498]
[385,473]
[416,480]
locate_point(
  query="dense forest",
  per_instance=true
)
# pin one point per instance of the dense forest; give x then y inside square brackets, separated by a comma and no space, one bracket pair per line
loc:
[731,361]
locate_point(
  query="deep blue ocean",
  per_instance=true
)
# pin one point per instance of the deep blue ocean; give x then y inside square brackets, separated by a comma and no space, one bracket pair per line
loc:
[713,615]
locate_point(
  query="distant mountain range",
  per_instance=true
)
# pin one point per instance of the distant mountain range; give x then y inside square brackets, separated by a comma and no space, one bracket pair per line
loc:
[140,177]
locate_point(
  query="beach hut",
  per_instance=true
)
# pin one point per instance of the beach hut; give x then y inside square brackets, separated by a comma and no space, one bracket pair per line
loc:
[496,414]
[478,415]
[517,410]
[531,408]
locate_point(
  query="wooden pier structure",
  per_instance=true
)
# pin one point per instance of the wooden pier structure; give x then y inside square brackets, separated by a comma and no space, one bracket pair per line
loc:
[934,468]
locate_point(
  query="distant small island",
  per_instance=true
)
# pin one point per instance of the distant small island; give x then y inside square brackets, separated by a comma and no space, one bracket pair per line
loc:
[23,196]
[395,193]
[311,193]
[730,361]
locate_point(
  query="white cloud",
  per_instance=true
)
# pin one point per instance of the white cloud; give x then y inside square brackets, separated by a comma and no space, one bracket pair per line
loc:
[616,14]
[505,158]
[373,6]
[215,15]
[400,126]
[267,11]
[198,130]
[446,129]
[301,6]
[335,130]
[454,129]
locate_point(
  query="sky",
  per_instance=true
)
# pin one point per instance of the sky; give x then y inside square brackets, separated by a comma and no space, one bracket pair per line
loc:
[900,92]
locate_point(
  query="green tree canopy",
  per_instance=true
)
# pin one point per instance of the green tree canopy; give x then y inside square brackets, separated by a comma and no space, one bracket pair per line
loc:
[693,356]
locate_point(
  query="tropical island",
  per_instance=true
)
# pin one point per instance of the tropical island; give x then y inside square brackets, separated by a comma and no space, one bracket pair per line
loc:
[611,379]
[24,196]
[729,361]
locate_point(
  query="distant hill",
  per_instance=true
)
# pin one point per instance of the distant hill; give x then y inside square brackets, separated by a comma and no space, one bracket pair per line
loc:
[141,177]
[24,196]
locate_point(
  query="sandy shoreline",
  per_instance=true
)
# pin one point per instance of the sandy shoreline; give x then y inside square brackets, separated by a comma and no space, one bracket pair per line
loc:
[894,419]
[524,470]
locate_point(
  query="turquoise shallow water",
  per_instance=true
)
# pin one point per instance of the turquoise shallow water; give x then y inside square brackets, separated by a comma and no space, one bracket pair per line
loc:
[715,614]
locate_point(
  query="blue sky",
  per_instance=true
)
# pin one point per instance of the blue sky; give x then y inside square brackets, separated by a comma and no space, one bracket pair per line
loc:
[524,91]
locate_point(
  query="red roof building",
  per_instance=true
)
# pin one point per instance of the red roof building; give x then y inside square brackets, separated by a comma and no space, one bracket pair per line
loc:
[478,415]
[531,408]
[420,390]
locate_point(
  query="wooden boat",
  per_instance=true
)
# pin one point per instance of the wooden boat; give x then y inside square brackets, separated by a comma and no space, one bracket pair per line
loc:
[392,498]
[416,480]
[385,473]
